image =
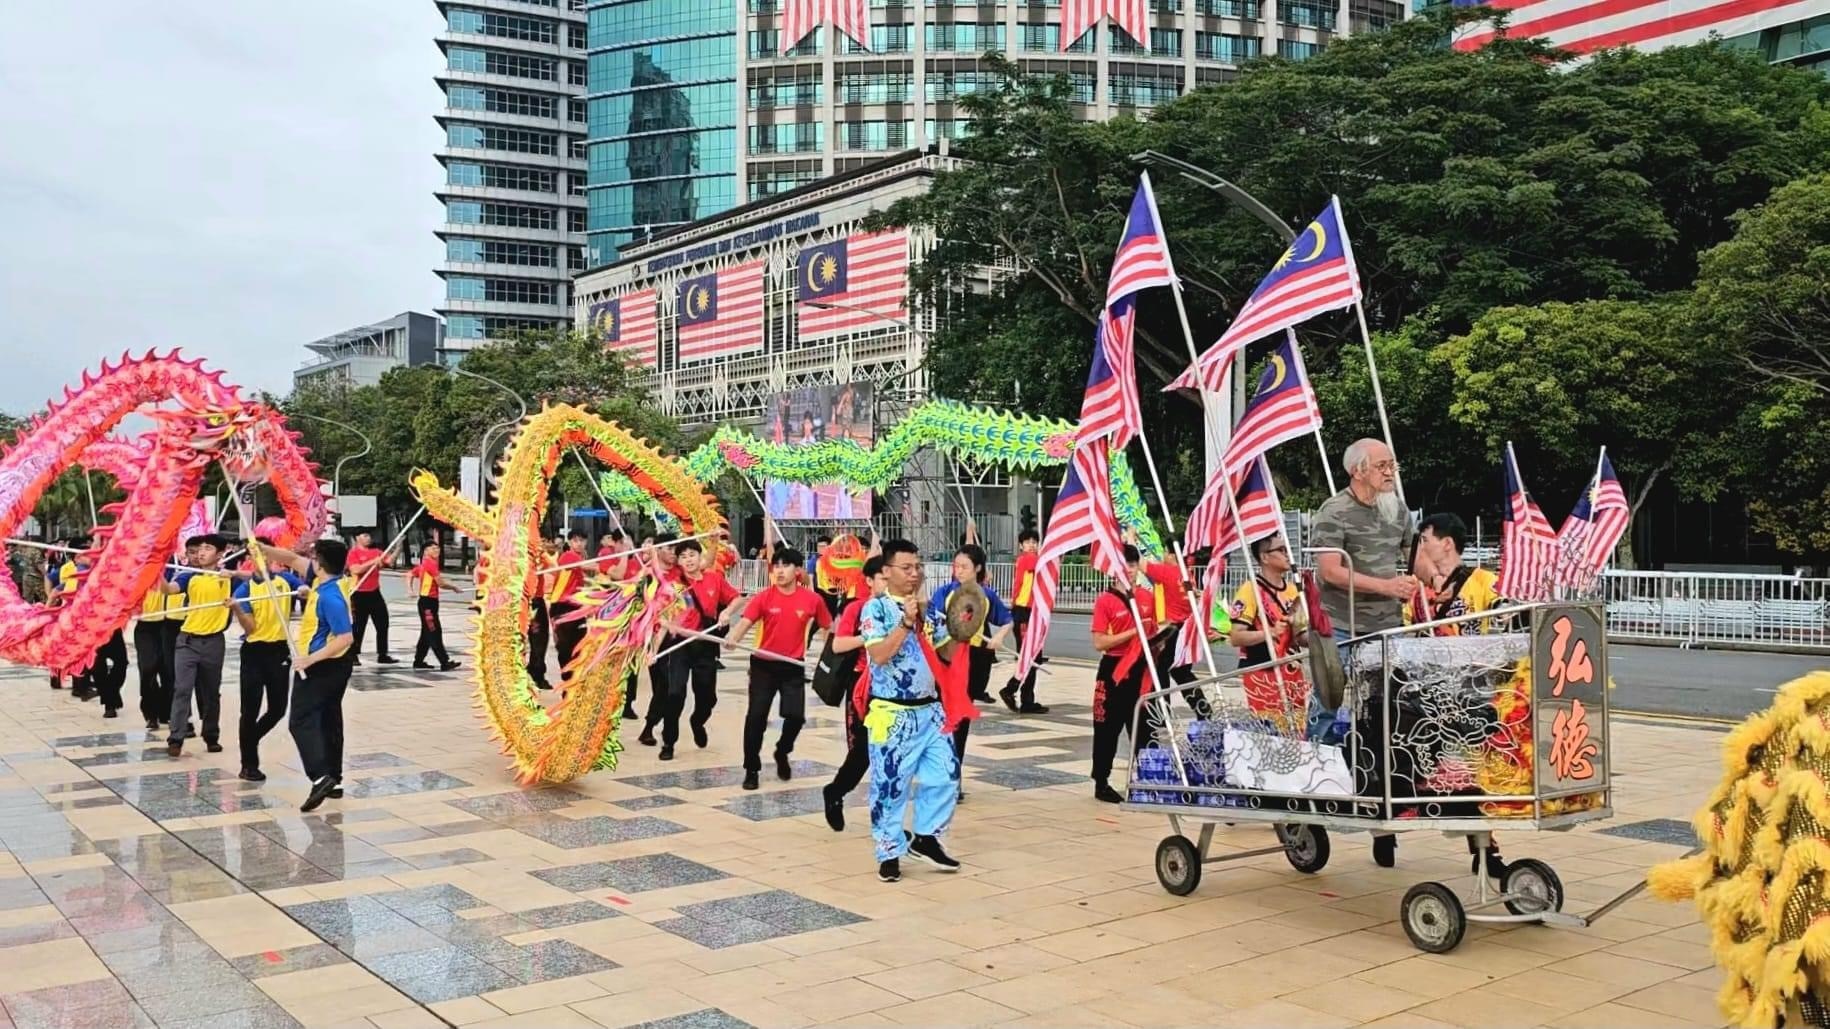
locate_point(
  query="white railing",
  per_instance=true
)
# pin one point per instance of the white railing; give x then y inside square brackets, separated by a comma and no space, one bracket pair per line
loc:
[1773,612]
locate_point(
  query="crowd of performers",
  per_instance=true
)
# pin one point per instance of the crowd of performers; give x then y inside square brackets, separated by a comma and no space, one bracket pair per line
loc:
[908,690]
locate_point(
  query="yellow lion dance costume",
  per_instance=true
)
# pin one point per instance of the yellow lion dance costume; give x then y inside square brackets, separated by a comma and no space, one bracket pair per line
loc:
[1762,882]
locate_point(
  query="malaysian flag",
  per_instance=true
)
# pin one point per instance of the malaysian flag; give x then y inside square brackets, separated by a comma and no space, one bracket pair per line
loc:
[800,17]
[1314,276]
[1283,408]
[868,274]
[1528,545]
[1594,528]
[1083,517]
[1077,16]
[721,313]
[1584,26]
[627,325]
[1259,515]
[1109,407]
[1130,16]
[1142,260]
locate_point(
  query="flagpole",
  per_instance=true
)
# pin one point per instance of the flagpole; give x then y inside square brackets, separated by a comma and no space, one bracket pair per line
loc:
[764,507]
[1372,362]
[1137,620]
[1327,469]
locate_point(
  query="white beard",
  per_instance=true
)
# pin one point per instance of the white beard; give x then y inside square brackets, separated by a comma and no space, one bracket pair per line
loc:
[1391,509]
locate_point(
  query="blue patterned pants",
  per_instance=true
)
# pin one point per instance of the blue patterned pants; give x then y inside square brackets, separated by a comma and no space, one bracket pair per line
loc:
[907,747]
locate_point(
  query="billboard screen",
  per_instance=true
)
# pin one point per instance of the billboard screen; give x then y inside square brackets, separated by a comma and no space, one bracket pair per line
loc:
[812,414]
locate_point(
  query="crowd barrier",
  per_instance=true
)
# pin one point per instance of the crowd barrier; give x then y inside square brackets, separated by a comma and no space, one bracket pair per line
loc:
[1773,612]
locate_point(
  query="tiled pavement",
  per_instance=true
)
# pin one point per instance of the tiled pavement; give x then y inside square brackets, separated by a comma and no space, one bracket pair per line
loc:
[136,890]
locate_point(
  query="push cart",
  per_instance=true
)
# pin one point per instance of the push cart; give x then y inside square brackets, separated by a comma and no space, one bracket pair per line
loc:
[1464,726]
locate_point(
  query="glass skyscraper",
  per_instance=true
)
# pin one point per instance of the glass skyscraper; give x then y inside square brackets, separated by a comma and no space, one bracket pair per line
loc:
[514,159]
[694,109]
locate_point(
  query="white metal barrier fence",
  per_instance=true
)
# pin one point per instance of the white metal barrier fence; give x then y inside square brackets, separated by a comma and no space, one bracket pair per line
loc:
[1685,608]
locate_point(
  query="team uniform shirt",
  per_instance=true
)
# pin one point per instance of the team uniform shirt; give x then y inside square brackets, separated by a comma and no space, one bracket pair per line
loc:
[1023,583]
[1168,598]
[425,577]
[1112,615]
[785,619]
[67,574]
[565,581]
[1469,591]
[906,676]
[1246,614]
[1278,693]
[270,603]
[152,608]
[709,593]
[361,555]
[205,593]
[847,625]
[942,600]
[326,614]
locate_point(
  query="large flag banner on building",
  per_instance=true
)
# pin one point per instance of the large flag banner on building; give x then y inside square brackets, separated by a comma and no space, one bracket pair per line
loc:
[1594,528]
[722,313]
[1282,409]
[627,325]
[1077,16]
[865,279]
[1583,26]
[800,17]
[1528,545]
[1314,276]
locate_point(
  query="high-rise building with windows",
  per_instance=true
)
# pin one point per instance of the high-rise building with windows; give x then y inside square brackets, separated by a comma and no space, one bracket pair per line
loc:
[514,159]
[694,109]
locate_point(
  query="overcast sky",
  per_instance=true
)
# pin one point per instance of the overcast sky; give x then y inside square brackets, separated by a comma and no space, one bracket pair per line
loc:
[233,178]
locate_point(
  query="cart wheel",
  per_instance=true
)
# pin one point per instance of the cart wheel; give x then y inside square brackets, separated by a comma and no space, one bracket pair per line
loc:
[1305,845]
[1178,865]
[1537,886]
[1433,918]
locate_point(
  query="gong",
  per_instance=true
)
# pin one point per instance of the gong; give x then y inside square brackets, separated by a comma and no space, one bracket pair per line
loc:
[967,610]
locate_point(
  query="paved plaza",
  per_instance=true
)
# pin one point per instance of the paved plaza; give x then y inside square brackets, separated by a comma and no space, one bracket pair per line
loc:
[137,890]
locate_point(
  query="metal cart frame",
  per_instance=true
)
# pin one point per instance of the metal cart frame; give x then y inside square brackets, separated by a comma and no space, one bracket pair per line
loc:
[1434,916]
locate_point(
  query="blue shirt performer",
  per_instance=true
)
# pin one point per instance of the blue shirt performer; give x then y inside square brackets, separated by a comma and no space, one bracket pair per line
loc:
[904,724]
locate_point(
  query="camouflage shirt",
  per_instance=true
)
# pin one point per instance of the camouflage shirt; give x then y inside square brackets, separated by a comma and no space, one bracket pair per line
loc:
[1373,545]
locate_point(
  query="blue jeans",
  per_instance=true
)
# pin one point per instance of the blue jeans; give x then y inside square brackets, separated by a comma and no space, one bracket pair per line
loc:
[1325,724]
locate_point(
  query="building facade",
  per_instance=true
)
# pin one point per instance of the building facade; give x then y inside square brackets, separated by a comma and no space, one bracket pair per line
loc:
[694,109]
[514,160]
[360,356]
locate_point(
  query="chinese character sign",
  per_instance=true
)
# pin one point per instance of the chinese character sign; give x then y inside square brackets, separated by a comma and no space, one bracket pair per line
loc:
[1569,680]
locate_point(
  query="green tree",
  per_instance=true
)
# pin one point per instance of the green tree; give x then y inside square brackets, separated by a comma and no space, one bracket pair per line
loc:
[1763,299]
[1560,379]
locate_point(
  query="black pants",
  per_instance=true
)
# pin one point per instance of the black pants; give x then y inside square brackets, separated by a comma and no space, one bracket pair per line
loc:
[431,633]
[693,666]
[1197,700]
[266,675]
[660,688]
[567,636]
[1114,703]
[154,663]
[109,673]
[368,606]
[168,632]
[538,631]
[769,679]
[1026,687]
[317,718]
[857,753]
[978,682]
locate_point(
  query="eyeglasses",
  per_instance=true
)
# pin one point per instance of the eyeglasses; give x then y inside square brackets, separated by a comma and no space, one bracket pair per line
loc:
[1387,465]
[905,566]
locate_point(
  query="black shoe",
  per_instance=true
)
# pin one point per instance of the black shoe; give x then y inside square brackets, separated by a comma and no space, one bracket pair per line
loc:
[253,775]
[667,753]
[212,746]
[979,698]
[387,660]
[83,694]
[111,712]
[423,665]
[1041,659]
[355,661]
[890,871]
[929,849]
[1385,851]
[152,725]
[174,750]
[783,770]
[699,737]
[1033,709]
[1009,696]
[320,790]
[835,810]
[1496,865]
[450,666]
[750,781]
[647,737]
[960,797]
[1105,794]
[629,714]
[336,792]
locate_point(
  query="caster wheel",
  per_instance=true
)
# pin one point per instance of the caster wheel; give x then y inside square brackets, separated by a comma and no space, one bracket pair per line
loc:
[1306,847]
[1178,866]
[1535,885]
[1433,918]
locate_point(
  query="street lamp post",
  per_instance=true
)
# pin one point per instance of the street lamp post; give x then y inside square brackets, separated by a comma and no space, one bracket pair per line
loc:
[336,475]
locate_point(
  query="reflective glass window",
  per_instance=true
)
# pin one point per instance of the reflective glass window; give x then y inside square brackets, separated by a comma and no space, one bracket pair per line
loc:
[662,64]
[663,154]
[1046,39]
[463,287]
[464,98]
[1315,14]
[621,24]
[787,138]
[661,202]
[766,43]
[885,39]
[459,58]
[463,212]
[463,326]
[1229,8]
[465,136]
[653,110]
[470,250]
[1223,46]
[463,173]
[1296,49]
[966,36]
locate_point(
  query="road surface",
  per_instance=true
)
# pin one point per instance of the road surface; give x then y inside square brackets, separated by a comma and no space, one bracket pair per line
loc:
[1720,684]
